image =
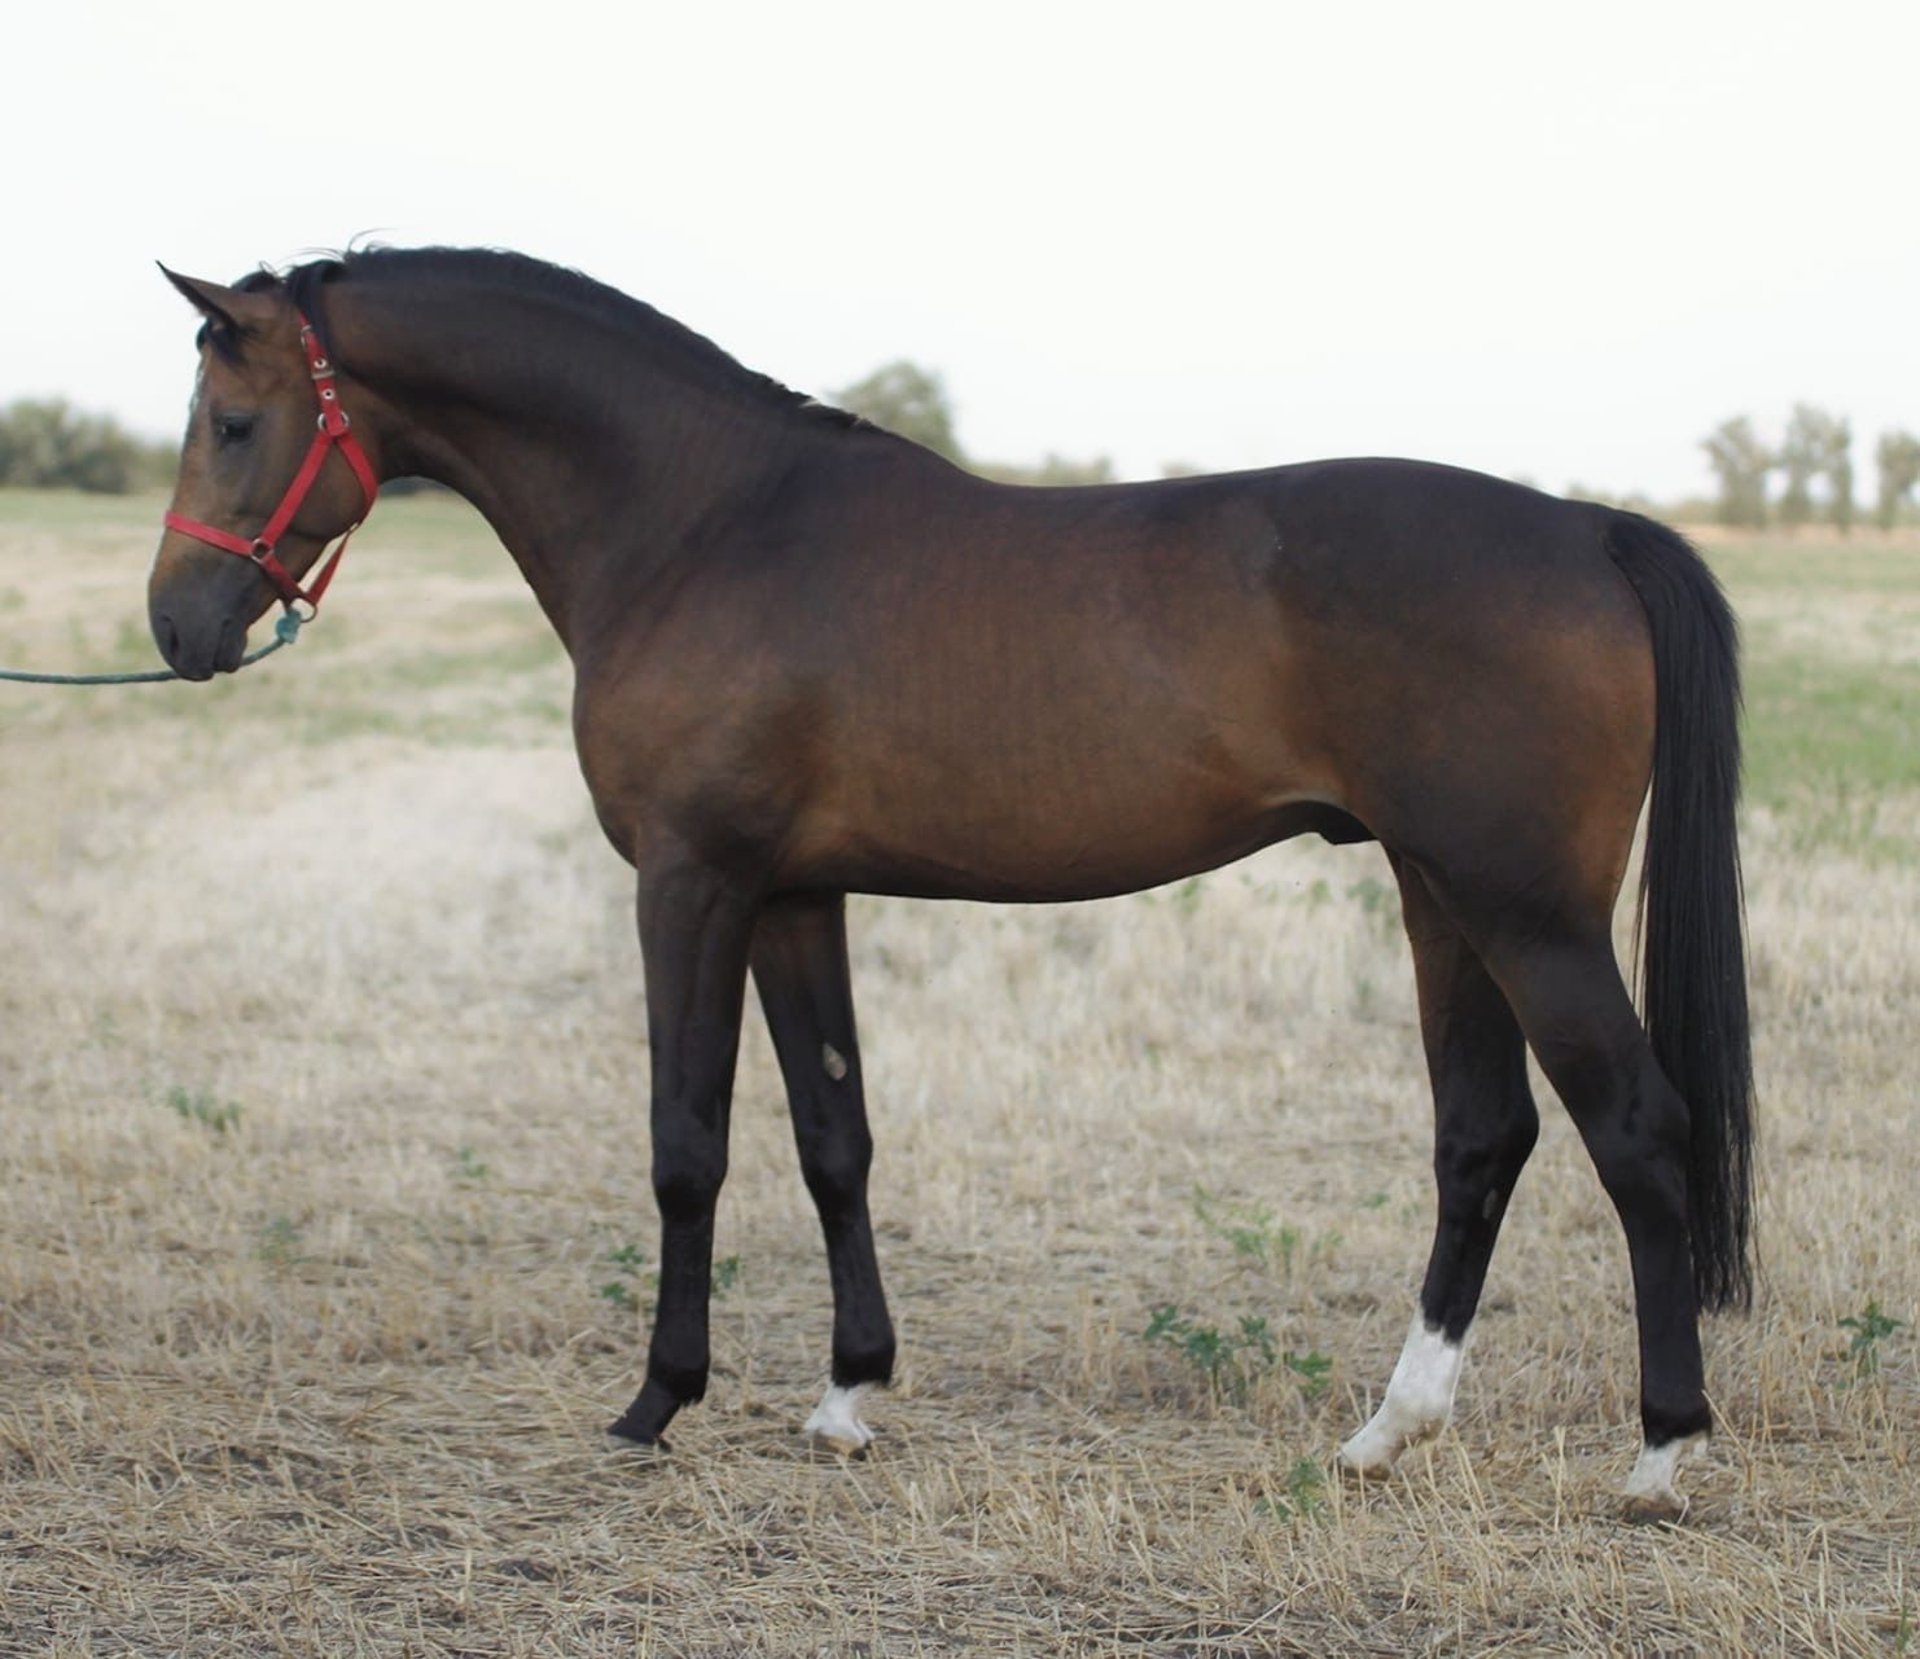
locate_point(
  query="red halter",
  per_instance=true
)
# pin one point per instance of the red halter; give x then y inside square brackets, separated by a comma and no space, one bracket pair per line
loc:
[334,433]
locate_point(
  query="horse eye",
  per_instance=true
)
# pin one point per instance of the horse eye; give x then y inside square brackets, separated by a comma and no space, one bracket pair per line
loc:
[232,429]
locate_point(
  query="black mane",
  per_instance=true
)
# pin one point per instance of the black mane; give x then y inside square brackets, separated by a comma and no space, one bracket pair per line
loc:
[504,271]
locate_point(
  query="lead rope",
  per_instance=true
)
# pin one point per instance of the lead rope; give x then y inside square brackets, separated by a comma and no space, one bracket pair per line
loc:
[285,632]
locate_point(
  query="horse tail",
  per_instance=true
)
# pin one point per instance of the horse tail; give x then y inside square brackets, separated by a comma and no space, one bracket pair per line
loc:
[1693,980]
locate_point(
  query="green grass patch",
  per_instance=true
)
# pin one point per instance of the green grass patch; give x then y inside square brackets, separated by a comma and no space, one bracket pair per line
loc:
[1827,742]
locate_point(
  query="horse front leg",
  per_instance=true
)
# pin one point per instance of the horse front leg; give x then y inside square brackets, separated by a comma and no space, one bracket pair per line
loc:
[695,928]
[800,967]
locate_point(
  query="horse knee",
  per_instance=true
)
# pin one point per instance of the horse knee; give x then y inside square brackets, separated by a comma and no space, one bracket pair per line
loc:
[688,1172]
[835,1167]
[1473,1151]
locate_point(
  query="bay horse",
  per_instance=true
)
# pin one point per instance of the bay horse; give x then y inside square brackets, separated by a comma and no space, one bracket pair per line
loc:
[812,658]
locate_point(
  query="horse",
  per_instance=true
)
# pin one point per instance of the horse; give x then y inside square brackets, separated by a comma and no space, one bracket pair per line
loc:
[813,658]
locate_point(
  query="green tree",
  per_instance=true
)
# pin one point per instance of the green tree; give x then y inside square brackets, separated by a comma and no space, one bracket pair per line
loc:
[907,399]
[1742,462]
[1818,445]
[46,444]
[1898,458]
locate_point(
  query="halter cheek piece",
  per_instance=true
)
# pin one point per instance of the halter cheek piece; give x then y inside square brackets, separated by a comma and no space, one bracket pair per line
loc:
[335,433]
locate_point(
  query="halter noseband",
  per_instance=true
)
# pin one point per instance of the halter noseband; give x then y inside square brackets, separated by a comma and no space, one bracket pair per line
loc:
[335,432]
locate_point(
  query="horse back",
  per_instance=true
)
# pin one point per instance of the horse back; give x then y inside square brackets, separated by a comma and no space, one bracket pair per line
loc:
[927,683]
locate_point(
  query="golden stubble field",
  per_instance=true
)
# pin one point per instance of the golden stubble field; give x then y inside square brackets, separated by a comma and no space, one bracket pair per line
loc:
[325,1224]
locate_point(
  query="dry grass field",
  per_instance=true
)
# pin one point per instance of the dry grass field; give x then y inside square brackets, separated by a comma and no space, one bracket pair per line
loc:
[325,1226]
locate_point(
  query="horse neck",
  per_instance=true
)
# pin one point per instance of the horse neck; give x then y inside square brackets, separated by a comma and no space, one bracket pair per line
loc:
[592,460]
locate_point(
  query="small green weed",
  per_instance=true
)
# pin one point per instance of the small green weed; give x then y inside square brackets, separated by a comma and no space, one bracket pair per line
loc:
[1256,1236]
[629,1259]
[1870,1327]
[1314,1369]
[197,1106]
[1305,1497]
[280,1243]
[1229,1361]
[1249,1228]
[1232,1361]
[468,1167]
[726,1274]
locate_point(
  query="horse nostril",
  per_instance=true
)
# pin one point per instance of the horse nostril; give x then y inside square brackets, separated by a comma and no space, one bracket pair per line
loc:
[166,636]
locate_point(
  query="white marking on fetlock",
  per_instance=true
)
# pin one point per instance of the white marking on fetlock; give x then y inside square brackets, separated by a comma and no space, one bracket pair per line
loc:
[1419,1401]
[1651,1493]
[835,1422]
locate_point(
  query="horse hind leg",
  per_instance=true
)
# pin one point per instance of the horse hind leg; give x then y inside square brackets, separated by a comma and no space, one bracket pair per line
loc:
[1485,1128]
[1564,984]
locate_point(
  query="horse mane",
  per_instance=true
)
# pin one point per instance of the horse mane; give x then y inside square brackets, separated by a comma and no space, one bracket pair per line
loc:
[502,271]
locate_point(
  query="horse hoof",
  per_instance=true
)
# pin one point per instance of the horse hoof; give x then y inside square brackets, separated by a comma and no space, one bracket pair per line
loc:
[1361,1474]
[1374,1450]
[644,1423]
[626,1435]
[1651,1495]
[1652,1508]
[835,1425]
[840,1445]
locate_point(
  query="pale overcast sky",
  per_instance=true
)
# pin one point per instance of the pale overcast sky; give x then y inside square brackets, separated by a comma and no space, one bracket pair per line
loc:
[1559,241]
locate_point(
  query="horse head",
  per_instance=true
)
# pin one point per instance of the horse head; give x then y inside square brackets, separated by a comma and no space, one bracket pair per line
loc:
[255,477]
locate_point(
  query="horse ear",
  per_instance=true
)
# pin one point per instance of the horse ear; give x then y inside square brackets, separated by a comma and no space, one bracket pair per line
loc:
[228,309]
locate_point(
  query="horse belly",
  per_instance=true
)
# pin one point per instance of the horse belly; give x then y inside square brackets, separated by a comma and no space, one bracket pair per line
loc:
[1076,826]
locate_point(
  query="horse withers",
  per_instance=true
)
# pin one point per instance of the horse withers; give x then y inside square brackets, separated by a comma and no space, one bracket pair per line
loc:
[812,658]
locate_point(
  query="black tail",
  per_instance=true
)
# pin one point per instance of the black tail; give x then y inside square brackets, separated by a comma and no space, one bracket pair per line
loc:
[1693,977]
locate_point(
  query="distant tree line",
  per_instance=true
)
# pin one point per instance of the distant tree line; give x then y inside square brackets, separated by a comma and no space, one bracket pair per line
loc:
[1816,451]
[48,444]
[1817,447]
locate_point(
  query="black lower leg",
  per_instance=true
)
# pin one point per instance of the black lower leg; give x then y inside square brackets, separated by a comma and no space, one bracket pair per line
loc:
[1591,1045]
[1485,1122]
[800,968]
[693,934]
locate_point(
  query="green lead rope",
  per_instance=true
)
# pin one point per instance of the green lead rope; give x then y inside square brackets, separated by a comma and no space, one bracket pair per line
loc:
[285,631]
